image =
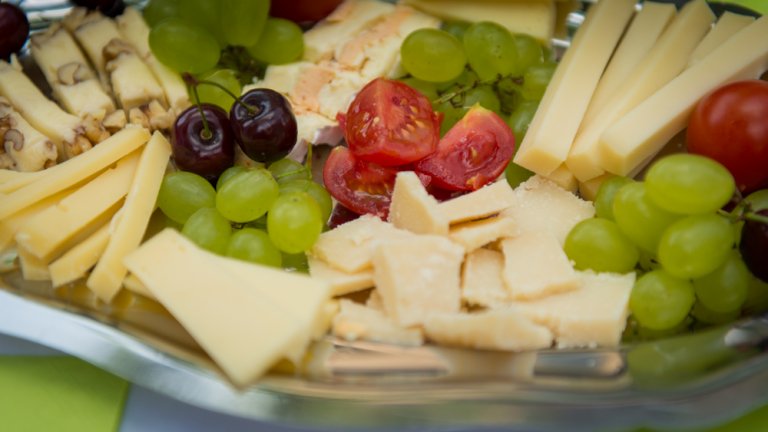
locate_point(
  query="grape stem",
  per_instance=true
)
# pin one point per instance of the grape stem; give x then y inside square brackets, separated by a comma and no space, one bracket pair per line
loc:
[194,82]
[462,90]
[743,212]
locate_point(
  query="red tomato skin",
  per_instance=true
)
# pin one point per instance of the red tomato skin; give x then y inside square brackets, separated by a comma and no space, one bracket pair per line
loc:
[302,11]
[389,123]
[730,125]
[360,186]
[473,153]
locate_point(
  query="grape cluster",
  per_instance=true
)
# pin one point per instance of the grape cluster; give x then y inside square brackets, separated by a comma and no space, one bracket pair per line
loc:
[670,228]
[483,63]
[206,37]
[262,215]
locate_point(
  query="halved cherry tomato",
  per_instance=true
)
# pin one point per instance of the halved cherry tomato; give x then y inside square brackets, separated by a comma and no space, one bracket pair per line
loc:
[730,125]
[390,123]
[360,186]
[473,153]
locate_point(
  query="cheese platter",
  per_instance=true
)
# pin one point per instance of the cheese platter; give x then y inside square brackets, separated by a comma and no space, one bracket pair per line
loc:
[532,330]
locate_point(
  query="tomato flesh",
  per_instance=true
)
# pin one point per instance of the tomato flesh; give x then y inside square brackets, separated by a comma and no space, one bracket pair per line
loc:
[730,125]
[472,153]
[390,123]
[360,186]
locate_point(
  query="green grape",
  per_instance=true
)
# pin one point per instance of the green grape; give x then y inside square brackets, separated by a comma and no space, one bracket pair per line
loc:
[639,218]
[286,170]
[432,55]
[536,79]
[315,190]
[456,28]
[214,95]
[508,91]
[491,50]
[647,262]
[695,245]
[428,89]
[204,13]
[757,200]
[296,262]
[689,184]
[646,333]
[599,245]
[247,195]
[515,174]
[521,118]
[705,315]
[242,21]
[281,42]
[253,245]
[529,52]
[208,229]
[184,47]
[451,115]
[228,174]
[725,289]
[661,301]
[757,297]
[483,95]
[294,222]
[605,195]
[183,193]
[158,10]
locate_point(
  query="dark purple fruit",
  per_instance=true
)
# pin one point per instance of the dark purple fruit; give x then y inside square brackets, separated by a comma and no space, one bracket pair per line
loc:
[341,215]
[266,128]
[14,29]
[204,152]
[111,8]
[754,246]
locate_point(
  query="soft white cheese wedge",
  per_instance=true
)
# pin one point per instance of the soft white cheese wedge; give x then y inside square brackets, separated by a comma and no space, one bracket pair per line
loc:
[481,281]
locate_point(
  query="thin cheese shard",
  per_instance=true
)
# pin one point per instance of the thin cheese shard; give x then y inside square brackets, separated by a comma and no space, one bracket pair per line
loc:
[592,315]
[542,206]
[106,279]
[417,277]
[76,262]
[414,209]
[476,234]
[726,26]
[481,281]
[349,247]
[10,226]
[75,170]
[32,267]
[486,201]
[548,139]
[664,62]
[51,231]
[642,132]
[357,322]
[500,329]
[536,266]
[243,332]
[341,283]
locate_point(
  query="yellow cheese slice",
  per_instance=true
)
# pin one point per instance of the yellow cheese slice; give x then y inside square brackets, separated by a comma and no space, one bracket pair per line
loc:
[588,189]
[75,170]
[663,62]
[546,144]
[77,261]
[642,132]
[475,234]
[726,26]
[414,209]
[107,277]
[13,180]
[135,285]
[52,230]
[643,32]
[11,224]
[32,267]
[244,332]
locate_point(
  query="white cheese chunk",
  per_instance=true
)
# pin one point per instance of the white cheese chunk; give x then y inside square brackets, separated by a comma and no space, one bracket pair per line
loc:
[243,331]
[349,247]
[417,277]
[594,314]
[481,281]
[542,206]
[357,322]
[486,201]
[341,282]
[493,330]
[536,266]
[553,128]
[476,234]
[643,131]
[414,209]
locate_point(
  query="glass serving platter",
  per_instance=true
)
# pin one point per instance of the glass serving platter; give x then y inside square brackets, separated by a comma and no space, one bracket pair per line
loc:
[689,381]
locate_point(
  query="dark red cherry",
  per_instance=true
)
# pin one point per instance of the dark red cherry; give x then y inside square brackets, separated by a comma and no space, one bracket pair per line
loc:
[14,29]
[204,152]
[265,127]
[754,246]
[111,8]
